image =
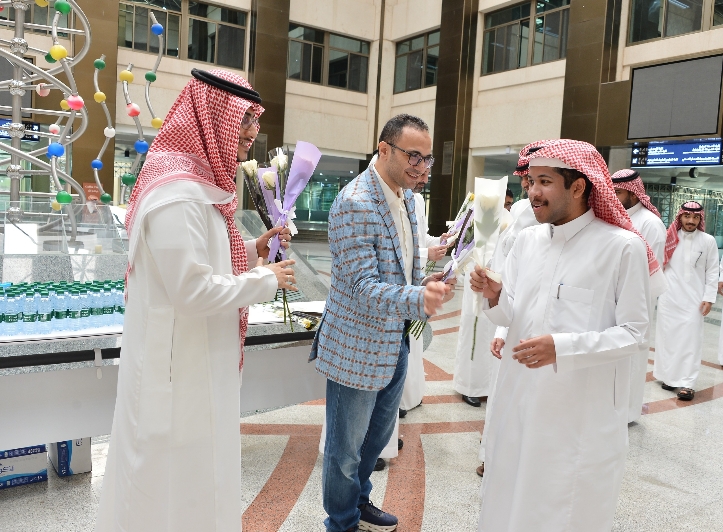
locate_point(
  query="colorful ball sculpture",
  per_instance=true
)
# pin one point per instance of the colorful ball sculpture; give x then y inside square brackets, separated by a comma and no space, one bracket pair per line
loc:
[106,198]
[62,6]
[128,179]
[157,123]
[55,149]
[157,29]
[63,197]
[141,146]
[58,51]
[133,109]
[109,132]
[42,89]
[151,76]
[64,105]
[99,96]
[96,164]
[126,75]
[75,102]
[41,3]
[54,129]
[49,58]
[55,205]
[99,64]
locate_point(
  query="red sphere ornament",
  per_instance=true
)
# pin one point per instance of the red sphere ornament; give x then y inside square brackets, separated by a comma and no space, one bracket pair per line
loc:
[75,102]
[54,129]
[133,109]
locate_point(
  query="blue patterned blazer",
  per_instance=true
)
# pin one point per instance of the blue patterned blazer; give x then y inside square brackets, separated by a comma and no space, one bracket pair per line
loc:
[358,340]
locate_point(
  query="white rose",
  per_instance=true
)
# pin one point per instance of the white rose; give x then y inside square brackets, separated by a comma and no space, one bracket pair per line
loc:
[250,167]
[488,202]
[280,162]
[269,179]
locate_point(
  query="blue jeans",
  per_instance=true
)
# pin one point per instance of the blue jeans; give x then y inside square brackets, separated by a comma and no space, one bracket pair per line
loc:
[359,424]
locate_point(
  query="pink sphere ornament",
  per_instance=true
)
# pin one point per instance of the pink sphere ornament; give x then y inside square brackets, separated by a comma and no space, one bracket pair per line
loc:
[133,109]
[75,102]
[54,129]
[42,89]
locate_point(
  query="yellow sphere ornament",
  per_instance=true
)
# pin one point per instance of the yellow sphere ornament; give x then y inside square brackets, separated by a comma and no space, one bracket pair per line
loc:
[42,3]
[126,75]
[58,52]
[99,97]
[157,122]
[55,205]
[64,105]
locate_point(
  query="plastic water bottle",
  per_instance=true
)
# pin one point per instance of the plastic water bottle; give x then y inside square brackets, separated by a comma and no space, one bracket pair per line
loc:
[84,308]
[30,313]
[60,311]
[3,306]
[11,313]
[20,305]
[120,303]
[74,310]
[108,305]
[96,307]
[45,312]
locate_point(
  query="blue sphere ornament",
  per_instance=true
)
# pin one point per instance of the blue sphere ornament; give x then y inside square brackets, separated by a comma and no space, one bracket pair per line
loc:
[96,164]
[157,29]
[141,146]
[55,149]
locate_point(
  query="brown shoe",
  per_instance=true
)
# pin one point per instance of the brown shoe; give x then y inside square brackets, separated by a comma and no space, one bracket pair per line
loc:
[481,470]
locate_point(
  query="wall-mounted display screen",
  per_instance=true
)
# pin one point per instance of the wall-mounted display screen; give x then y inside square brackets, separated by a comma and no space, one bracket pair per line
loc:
[698,152]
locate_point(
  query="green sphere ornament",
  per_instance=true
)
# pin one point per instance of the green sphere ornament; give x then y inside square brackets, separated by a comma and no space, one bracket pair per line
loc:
[63,197]
[49,58]
[128,179]
[62,6]
[106,198]
[151,76]
[99,64]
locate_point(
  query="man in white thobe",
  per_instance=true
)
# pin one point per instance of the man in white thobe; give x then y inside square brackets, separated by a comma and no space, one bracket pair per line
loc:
[575,298]
[474,370]
[691,268]
[630,191]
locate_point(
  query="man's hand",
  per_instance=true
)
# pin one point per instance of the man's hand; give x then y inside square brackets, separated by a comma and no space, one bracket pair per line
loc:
[284,274]
[720,288]
[496,347]
[435,253]
[536,352]
[443,239]
[434,292]
[262,242]
[705,307]
[451,282]
[484,285]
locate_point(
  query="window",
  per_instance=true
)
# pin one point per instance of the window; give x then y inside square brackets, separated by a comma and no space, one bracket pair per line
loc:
[134,25]
[38,15]
[506,41]
[654,19]
[216,35]
[327,58]
[416,62]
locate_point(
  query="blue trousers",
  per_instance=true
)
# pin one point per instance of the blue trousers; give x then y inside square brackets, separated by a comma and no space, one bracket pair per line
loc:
[359,424]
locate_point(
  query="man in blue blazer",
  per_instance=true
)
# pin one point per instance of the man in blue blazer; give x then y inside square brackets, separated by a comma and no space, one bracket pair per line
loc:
[361,346]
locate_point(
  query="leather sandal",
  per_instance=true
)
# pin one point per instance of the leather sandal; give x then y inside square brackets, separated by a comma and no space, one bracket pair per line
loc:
[686,394]
[481,470]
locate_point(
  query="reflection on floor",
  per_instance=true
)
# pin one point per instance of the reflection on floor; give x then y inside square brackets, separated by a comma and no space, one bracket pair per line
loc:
[674,475]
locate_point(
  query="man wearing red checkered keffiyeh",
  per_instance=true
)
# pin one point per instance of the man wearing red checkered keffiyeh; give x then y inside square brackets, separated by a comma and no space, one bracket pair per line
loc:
[630,191]
[574,294]
[691,267]
[188,287]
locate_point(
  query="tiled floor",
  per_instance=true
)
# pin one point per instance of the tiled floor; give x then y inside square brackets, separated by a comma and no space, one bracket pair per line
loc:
[673,479]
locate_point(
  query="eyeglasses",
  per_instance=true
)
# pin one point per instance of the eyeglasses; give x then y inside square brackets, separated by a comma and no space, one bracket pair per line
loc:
[247,121]
[415,158]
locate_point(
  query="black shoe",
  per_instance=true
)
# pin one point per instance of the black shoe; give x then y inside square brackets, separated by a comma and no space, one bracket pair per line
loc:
[402,413]
[400,444]
[669,388]
[375,520]
[472,401]
[380,465]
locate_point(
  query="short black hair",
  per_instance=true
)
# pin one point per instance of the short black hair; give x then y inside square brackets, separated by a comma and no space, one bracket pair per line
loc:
[572,175]
[392,130]
[509,193]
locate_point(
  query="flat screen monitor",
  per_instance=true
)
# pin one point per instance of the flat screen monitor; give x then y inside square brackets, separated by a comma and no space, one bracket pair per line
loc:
[700,152]
[676,99]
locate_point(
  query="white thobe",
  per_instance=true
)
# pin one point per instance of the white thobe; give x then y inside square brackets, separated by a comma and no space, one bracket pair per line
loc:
[558,438]
[414,385]
[652,229]
[524,217]
[475,373]
[178,384]
[720,340]
[692,276]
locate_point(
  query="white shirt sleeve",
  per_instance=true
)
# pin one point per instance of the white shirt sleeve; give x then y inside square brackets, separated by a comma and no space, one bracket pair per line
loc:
[251,254]
[502,314]
[582,350]
[177,237]
[711,272]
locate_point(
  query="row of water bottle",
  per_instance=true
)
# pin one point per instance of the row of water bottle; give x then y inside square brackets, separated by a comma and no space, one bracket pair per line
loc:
[41,308]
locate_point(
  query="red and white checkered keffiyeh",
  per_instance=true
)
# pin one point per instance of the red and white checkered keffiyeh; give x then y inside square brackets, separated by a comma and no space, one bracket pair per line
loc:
[199,142]
[523,164]
[635,186]
[584,158]
[671,240]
